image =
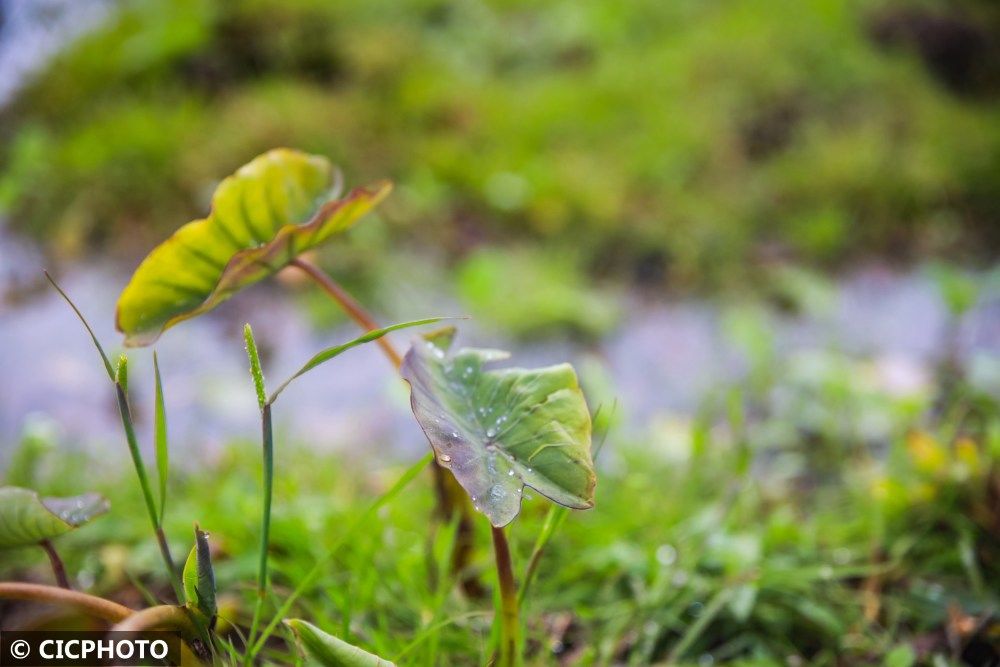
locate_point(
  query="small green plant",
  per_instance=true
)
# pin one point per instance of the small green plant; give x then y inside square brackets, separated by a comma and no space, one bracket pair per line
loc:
[119,378]
[264,217]
[493,432]
[499,431]
[264,402]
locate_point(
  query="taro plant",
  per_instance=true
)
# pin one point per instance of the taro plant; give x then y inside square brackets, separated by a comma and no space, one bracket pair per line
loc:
[263,218]
[493,431]
[27,519]
[499,431]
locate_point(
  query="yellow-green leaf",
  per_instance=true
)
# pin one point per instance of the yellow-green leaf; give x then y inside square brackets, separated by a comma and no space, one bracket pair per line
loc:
[329,651]
[26,518]
[499,430]
[271,210]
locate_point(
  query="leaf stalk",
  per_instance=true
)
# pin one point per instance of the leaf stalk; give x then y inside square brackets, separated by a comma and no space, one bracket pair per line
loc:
[451,497]
[91,604]
[510,622]
[58,569]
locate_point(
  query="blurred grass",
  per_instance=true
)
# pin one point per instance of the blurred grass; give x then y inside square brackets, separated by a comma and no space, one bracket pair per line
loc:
[709,542]
[681,143]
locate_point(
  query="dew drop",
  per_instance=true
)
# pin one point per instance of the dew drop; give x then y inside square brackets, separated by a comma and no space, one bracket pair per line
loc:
[666,555]
[445,458]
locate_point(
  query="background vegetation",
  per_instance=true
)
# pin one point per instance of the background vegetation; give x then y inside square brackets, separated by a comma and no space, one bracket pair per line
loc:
[678,143]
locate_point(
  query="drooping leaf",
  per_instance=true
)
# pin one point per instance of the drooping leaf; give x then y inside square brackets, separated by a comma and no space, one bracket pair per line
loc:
[271,210]
[199,577]
[330,651]
[160,437]
[26,518]
[500,430]
[86,325]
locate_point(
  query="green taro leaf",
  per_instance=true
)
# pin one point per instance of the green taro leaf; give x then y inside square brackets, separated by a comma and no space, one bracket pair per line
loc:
[500,430]
[330,651]
[271,210]
[26,518]
[199,577]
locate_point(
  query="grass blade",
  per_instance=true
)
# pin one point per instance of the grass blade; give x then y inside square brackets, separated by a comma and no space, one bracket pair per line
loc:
[119,377]
[86,325]
[553,520]
[267,440]
[331,352]
[140,471]
[308,580]
[160,438]
[267,446]
[694,631]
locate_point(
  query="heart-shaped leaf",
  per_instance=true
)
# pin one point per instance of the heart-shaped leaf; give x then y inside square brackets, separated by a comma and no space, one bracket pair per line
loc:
[271,210]
[26,518]
[330,651]
[500,430]
[199,577]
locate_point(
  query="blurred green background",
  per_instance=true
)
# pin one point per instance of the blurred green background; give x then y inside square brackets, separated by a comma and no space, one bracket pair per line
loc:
[673,144]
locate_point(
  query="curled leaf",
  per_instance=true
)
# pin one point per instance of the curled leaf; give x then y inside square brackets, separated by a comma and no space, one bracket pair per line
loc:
[271,210]
[501,430]
[26,518]
[330,651]
[199,577]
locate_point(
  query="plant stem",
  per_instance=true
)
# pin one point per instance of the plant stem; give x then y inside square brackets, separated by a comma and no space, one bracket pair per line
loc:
[451,497]
[510,624]
[265,533]
[57,565]
[93,605]
[147,494]
[349,304]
